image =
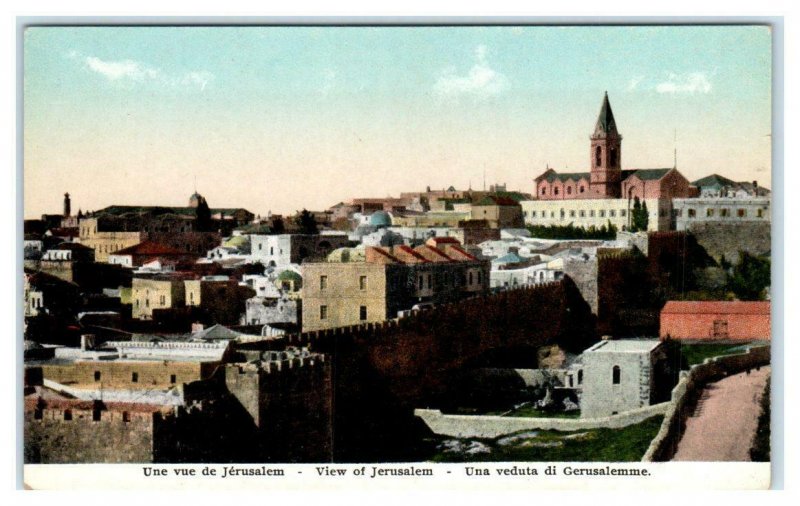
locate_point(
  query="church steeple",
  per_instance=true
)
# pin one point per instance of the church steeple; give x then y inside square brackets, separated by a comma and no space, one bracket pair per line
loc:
[605,154]
[605,126]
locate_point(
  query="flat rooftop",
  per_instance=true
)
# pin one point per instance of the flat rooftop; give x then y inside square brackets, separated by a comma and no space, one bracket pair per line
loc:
[624,346]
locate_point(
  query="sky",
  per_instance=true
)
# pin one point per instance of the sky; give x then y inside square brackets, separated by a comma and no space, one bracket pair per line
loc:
[277,119]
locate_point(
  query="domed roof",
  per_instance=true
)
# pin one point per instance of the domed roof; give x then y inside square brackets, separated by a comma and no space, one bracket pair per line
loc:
[289,275]
[380,219]
[356,254]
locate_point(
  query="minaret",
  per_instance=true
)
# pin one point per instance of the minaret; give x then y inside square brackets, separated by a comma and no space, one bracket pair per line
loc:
[67,206]
[606,144]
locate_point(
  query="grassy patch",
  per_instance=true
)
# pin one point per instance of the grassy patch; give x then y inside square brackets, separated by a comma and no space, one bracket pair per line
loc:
[697,353]
[627,444]
[531,412]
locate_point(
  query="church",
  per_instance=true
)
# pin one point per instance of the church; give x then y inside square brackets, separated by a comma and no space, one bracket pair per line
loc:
[606,179]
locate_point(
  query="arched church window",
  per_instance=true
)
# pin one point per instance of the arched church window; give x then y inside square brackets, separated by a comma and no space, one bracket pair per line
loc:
[569,190]
[598,152]
[555,191]
[612,157]
[581,189]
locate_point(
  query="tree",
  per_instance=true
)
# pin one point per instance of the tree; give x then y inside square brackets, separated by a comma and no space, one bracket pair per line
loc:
[750,277]
[202,216]
[308,225]
[639,218]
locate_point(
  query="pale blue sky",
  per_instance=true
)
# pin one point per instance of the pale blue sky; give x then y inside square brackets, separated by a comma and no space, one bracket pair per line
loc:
[284,118]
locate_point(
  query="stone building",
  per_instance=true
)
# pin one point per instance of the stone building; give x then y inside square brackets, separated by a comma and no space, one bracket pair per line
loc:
[145,252]
[160,291]
[220,298]
[688,213]
[716,186]
[266,311]
[716,320]
[60,261]
[351,290]
[620,375]
[497,212]
[285,249]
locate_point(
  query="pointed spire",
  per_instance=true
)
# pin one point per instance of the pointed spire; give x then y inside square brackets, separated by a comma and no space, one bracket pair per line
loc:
[605,126]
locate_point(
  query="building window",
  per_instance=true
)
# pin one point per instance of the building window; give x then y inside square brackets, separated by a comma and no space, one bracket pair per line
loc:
[323,282]
[323,312]
[724,212]
[760,213]
[569,190]
[95,415]
[163,300]
[741,213]
[362,313]
[67,415]
[480,277]
[555,191]
[430,281]
[591,213]
[691,213]
[622,212]
[581,189]
[572,213]
[271,250]
[580,376]
[602,213]
[146,302]
[135,377]
[544,190]
[582,213]
[97,375]
[362,282]
[470,278]
[612,213]
[709,213]
[259,246]
[597,154]
[173,379]
[126,417]
[419,282]
[615,375]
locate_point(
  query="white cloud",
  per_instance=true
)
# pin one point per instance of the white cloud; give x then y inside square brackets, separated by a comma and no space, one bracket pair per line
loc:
[691,83]
[133,71]
[115,70]
[481,81]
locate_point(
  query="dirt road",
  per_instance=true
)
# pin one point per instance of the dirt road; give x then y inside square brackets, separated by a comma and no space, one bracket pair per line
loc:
[725,420]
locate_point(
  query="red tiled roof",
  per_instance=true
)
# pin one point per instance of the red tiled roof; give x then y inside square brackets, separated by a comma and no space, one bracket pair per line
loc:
[411,252]
[149,248]
[716,307]
[443,240]
[433,254]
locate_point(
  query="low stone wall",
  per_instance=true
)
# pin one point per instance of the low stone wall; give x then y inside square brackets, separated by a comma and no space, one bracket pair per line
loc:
[470,426]
[689,389]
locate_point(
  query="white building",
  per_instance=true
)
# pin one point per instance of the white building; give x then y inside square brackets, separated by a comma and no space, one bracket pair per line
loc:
[621,375]
[596,213]
[687,212]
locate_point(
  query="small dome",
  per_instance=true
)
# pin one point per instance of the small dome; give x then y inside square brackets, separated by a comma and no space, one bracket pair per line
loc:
[380,219]
[289,275]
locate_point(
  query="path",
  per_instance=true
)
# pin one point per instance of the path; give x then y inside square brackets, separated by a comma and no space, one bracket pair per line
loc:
[724,422]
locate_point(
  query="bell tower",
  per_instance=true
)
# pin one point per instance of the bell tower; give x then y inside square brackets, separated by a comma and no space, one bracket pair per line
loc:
[606,144]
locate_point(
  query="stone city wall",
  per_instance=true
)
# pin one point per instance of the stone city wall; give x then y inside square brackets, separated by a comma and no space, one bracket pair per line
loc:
[469,426]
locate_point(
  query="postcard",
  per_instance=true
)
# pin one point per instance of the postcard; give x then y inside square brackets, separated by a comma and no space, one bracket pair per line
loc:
[282,256]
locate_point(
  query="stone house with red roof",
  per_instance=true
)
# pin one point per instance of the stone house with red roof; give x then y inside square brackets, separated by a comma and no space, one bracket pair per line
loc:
[716,320]
[387,280]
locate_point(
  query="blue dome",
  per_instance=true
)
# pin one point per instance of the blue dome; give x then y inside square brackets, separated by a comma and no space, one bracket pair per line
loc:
[380,219]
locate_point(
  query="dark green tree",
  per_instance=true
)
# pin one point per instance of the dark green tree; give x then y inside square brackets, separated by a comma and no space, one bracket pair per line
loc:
[750,277]
[202,216]
[639,218]
[307,223]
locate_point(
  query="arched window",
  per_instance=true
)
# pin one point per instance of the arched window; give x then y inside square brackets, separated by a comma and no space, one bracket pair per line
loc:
[612,157]
[569,190]
[598,152]
[544,190]
[581,189]
[580,376]
[615,375]
[555,191]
